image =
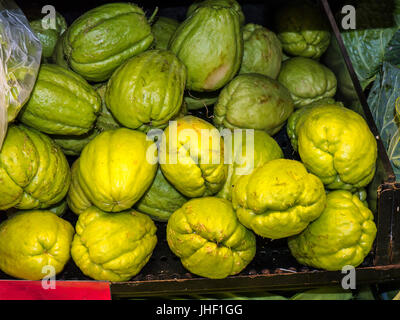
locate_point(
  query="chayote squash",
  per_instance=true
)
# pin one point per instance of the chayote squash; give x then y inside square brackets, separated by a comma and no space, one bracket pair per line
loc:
[116,168]
[210,43]
[342,235]
[296,119]
[336,144]
[191,157]
[113,246]
[34,172]
[147,91]
[208,238]
[62,102]
[32,240]
[228,3]
[163,29]
[161,199]
[103,38]
[307,80]
[250,149]
[262,51]
[278,199]
[253,101]
[49,36]
[302,29]
[73,145]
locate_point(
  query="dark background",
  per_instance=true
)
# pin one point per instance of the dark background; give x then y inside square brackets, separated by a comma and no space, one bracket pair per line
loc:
[256,11]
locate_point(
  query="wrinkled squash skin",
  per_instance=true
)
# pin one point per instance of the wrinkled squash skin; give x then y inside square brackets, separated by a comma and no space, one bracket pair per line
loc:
[278,199]
[178,157]
[208,238]
[253,101]
[342,235]
[34,172]
[113,246]
[336,144]
[46,242]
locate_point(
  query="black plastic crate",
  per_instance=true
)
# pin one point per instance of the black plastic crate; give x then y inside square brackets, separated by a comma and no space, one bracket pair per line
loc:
[273,267]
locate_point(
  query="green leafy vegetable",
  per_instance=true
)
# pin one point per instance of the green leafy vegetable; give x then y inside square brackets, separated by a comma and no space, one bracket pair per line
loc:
[375,26]
[382,100]
[392,54]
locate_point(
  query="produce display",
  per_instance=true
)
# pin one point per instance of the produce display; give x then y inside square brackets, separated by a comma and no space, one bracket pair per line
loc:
[149,130]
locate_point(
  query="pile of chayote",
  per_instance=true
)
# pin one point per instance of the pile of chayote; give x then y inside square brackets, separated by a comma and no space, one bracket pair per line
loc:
[176,122]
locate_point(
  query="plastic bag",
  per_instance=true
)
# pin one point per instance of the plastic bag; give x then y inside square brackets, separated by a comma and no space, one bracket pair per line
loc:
[20,54]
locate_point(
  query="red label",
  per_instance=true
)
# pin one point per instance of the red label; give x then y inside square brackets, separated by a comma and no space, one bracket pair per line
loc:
[59,290]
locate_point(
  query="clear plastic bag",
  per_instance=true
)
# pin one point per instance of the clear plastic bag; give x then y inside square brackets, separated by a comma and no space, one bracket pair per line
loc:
[20,54]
